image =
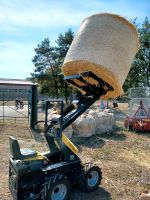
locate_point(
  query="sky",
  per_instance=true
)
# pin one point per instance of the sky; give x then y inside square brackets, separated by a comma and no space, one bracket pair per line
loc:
[25,23]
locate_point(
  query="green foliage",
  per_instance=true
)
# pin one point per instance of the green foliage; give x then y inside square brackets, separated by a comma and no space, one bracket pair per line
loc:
[139,74]
[48,61]
[64,42]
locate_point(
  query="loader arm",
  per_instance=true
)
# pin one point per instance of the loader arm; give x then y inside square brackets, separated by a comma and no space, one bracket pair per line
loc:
[92,88]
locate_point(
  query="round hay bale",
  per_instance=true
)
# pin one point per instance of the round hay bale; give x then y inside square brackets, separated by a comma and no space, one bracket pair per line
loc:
[106,45]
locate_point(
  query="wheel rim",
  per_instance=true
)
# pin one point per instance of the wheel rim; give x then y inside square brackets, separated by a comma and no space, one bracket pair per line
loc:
[59,192]
[93,178]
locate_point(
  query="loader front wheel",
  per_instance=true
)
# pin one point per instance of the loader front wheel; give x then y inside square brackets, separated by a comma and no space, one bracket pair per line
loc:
[56,188]
[90,178]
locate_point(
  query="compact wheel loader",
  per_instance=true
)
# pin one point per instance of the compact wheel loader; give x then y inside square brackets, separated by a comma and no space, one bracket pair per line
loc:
[50,175]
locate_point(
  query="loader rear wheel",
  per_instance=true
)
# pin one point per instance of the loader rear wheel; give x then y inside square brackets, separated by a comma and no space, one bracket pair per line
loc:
[90,178]
[56,188]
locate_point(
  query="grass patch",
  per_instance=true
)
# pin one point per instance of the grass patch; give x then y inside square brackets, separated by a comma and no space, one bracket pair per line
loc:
[123,156]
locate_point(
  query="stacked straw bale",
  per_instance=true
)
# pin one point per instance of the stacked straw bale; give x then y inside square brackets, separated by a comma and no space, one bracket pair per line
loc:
[106,45]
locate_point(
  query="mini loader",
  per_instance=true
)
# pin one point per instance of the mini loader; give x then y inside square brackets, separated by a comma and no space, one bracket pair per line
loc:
[50,175]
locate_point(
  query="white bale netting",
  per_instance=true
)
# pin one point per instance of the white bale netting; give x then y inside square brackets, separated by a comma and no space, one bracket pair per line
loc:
[94,122]
[84,126]
[104,121]
[90,123]
[106,45]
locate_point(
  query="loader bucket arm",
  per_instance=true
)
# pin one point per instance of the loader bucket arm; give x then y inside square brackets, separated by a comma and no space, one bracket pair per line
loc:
[92,88]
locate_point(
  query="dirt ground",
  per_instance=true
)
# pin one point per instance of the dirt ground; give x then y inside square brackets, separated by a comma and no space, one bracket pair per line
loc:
[123,156]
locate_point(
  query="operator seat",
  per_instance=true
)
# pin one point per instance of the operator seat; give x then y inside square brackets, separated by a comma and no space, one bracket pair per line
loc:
[17,153]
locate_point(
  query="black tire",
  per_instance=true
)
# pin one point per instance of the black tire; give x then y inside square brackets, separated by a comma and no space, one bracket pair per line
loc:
[90,178]
[56,188]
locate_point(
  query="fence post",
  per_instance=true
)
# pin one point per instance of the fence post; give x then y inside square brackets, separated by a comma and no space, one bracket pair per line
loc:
[34,102]
[3,107]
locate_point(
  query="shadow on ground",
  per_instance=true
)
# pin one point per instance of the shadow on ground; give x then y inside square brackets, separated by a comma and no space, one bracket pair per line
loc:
[117,135]
[98,194]
[92,142]
[39,137]
[144,133]
[95,141]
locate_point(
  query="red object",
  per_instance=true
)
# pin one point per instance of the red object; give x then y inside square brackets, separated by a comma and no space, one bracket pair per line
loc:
[140,120]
